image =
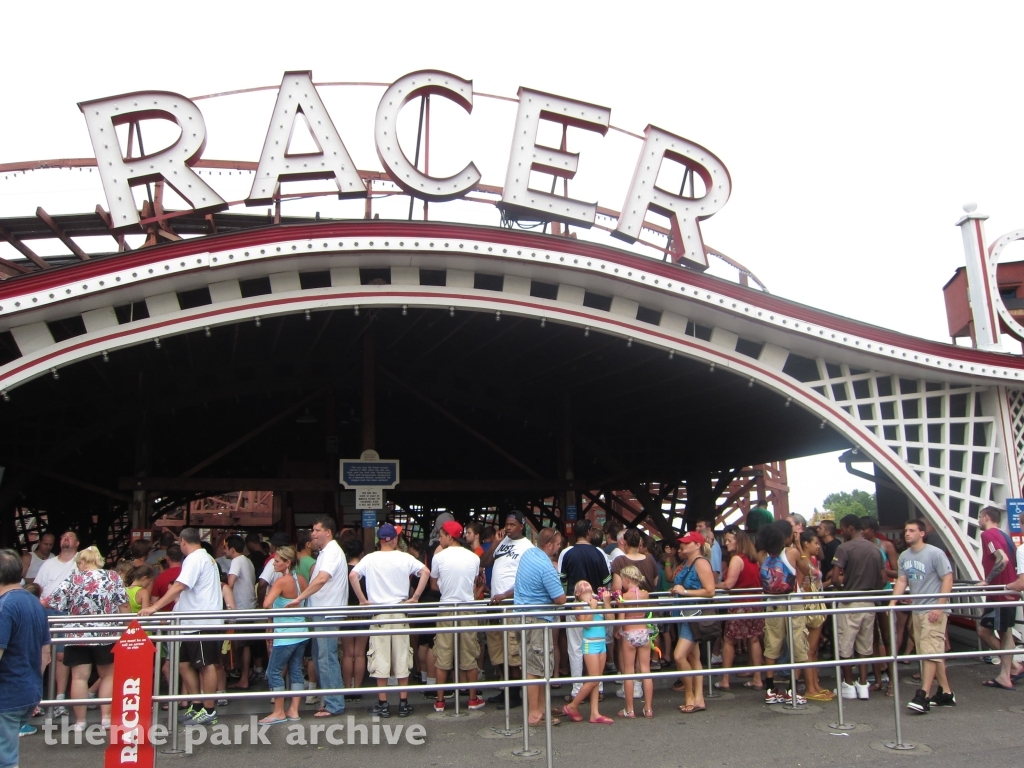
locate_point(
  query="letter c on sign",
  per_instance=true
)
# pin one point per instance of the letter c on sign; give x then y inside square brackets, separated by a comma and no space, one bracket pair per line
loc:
[994,252]
[385,134]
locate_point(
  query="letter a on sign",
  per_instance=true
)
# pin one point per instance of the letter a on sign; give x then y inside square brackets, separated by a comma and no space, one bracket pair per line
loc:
[298,96]
[132,709]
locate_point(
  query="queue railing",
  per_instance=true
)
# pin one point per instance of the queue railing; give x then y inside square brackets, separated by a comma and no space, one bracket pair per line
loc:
[166,631]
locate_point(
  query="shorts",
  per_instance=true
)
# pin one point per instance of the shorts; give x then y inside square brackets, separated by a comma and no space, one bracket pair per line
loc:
[638,638]
[77,655]
[592,647]
[999,619]
[856,631]
[201,653]
[389,655]
[775,629]
[929,637]
[496,647]
[536,660]
[743,629]
[444,645]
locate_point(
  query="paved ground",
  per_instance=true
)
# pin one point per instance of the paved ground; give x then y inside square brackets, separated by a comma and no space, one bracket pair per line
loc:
[986,727]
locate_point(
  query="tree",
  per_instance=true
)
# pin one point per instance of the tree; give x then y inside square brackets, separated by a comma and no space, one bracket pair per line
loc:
[841,504]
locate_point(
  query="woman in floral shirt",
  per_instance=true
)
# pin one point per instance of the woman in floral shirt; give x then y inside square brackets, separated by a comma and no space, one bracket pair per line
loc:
[89,591]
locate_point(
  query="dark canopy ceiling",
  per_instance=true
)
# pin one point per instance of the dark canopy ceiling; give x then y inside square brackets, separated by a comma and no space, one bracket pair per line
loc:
[445,385]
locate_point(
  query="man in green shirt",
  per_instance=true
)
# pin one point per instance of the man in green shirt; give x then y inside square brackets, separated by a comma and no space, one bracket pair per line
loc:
[304,553]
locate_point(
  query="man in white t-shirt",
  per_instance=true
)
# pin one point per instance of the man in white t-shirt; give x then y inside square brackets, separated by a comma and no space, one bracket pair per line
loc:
[387,573]
[503,560]
[196,589]
[327,591]
[453,573]
[269,575]
[51,574]
[32,561]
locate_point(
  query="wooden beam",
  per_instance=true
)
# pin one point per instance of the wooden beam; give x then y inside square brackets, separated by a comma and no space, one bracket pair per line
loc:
[70,244]
[25,250]
[119,237]
[253,432]
[408,485]
[75,482]
[459,422]
[11,268]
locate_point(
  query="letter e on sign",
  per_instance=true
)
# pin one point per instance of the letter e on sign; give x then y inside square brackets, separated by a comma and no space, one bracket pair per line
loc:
[685,213]
[119,175]
[528,156]
[132,709]
[298,96]
[385,134]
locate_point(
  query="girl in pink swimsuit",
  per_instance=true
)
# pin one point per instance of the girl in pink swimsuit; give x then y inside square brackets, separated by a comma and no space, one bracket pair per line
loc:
[636,650]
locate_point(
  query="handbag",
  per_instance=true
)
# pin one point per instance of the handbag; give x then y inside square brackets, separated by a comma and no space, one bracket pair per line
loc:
[705,631]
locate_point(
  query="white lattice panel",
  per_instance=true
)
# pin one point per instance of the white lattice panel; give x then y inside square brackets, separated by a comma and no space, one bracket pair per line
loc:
[943,431]
[1015,400]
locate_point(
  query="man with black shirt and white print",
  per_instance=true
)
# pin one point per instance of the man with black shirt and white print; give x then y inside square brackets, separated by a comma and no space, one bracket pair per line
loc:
[582,562]
[923,570]
[503,559]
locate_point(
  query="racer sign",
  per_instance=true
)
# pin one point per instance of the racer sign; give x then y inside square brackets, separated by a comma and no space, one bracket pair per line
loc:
[298,96]
[131,712]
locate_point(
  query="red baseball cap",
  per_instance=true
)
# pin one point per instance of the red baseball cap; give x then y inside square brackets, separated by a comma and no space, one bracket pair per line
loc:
[693,537]
[453,529]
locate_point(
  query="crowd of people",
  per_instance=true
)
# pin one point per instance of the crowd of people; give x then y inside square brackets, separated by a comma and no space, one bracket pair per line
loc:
[611,572]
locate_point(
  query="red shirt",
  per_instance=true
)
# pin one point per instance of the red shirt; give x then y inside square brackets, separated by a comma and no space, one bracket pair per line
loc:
[991,540]
[163,582]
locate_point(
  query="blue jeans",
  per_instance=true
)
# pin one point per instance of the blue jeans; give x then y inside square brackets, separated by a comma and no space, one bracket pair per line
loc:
[328,669]
[286,657]
[10,724]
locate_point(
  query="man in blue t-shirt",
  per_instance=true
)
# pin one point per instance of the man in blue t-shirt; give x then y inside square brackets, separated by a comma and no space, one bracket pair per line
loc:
[537,583]
[24,651]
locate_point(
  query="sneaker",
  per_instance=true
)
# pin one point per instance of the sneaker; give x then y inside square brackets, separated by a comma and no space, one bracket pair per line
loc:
[863,691]
[27,730]
[920,702]
[432,695]
[990,659]
[772,697]
[514,699]
[716,660]
[313,701]
[476,703]
[353,696]
[202,717]
[848,691]
[187,715]
[943,699]
[92,695]
[60,711]
[621,692]
[787,698]
[405,708]
[380,709]
[438,706]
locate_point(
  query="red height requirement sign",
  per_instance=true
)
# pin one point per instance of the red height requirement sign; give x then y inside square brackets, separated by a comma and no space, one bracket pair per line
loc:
[131,712]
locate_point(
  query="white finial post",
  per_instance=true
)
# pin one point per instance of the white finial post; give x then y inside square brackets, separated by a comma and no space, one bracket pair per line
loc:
[983,313]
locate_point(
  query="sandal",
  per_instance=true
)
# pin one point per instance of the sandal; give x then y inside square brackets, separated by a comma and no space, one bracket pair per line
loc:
[720,687]
[602,720]
[679,684]
[576,717]
[750,684]
[325,713]
[690,709]
[648,713]
[628,715]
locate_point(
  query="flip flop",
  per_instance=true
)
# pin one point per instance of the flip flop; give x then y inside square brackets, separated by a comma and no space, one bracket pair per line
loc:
[540,723]
[822,696]
[678,685]
[689,709]
[273,721]
[720,687]
[575,717]
[997,684]
[1018,677]
[325,713]
[750,684]
[602,720]
[294,719]
[627,715]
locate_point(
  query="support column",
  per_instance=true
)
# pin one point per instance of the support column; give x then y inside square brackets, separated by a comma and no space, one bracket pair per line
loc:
[700,503]
[565,464]
[140,510]
[369,413]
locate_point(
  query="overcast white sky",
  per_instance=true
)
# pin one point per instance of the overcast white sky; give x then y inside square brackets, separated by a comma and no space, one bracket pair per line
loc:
[853,133]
